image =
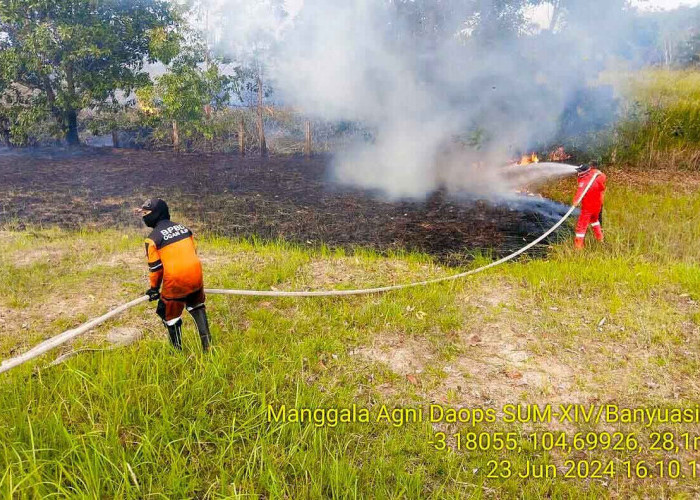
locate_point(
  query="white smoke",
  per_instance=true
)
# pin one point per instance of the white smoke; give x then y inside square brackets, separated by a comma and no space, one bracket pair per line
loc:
[354,60]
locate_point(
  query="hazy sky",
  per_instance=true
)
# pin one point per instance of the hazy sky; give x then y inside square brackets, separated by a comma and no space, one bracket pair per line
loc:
[294,5]
[663,4]
[542,13]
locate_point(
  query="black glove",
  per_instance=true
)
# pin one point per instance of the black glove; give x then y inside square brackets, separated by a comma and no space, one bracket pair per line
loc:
[153,294]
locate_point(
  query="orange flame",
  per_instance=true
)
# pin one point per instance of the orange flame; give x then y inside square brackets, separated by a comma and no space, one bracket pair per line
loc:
[559,154]
[528,159]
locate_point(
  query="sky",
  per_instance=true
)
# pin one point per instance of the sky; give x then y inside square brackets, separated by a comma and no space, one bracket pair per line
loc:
[541,14]
[663,4]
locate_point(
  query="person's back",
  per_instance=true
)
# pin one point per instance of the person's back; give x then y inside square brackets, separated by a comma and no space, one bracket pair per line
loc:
[595,195]
[182,269]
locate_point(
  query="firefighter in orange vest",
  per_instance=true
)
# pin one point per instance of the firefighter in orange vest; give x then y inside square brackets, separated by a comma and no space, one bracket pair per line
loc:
[592,203]
[173,263]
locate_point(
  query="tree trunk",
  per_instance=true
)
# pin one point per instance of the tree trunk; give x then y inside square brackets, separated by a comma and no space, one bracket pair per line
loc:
[5,133]
[51,100]
[668,53]
[489,21]
[307,144]
[555,15]
[241,138]
[176,136]
[261,126]
[72,134]
[72,114]
[115,138]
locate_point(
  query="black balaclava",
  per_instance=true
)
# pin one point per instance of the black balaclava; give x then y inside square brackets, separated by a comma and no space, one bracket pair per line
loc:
[583,169]
[159,211]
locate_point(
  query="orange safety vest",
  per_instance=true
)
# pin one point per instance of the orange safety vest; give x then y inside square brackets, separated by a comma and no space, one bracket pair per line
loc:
[173,261]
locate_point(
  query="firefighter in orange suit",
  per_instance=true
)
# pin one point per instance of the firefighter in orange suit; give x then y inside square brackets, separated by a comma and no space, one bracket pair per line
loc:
[175,273]
[592,203]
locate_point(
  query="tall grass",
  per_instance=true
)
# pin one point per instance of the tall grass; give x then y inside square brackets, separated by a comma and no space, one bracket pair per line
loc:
[660,120]
[146,422]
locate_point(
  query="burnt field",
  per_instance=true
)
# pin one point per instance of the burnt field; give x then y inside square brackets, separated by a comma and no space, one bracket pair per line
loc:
[286,198]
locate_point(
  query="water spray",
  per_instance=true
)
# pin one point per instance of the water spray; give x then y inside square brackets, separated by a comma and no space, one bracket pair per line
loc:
[536,173]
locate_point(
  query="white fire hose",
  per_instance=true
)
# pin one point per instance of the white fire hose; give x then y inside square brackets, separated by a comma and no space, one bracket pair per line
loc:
[64,337]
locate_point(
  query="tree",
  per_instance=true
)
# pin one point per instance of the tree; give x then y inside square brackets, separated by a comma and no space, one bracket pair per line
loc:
[19,122]
[75,54]
[677,43]
[251,43]
[482,22]
[587,13]
[191,88]
[430,19]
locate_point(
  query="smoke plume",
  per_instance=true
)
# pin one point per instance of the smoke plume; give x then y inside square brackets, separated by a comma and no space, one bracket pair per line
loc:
[446,107]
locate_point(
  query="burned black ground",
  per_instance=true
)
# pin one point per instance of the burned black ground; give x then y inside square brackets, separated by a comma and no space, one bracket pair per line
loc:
[280,197]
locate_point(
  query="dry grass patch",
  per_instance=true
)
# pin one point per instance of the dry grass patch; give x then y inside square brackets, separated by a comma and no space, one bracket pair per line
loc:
[357,272]
[122,336]
[40,255]
[493,367]
[405,356]
[130,260]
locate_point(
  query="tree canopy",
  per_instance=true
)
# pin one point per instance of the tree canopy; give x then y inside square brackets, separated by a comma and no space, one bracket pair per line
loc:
[193,85]
[61,56]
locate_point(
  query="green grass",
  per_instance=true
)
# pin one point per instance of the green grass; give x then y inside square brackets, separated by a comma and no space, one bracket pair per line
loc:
[144,421]
[660,124]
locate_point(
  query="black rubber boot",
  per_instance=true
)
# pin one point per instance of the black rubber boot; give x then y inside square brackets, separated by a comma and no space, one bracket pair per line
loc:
[200,318]
[175,334]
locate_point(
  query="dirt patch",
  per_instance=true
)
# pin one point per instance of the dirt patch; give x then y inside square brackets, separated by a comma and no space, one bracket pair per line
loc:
[491,293]
[124,259]
[402,355]
[70,307]
[47,252]
[8,237]
[38,255]
[280,197]
[506,366]
[253,261]
[123,336]
[348,270]
[682,181]
[495,367]
[13,322]
[498,362]
[687,308]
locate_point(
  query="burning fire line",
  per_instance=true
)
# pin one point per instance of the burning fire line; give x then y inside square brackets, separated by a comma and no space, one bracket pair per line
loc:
[558,155]
[528,159]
